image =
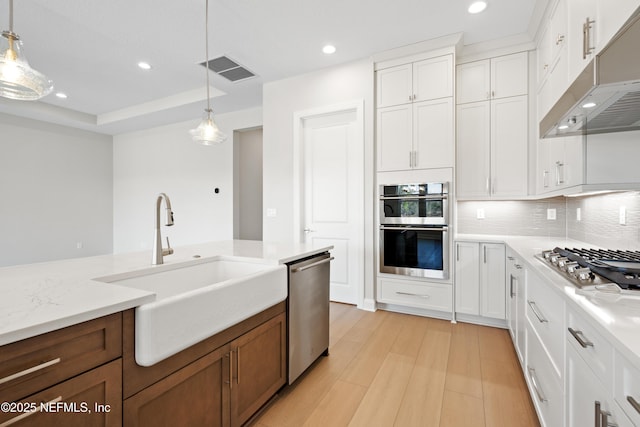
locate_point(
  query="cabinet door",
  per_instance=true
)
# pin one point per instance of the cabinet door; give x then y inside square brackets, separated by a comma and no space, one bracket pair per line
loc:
[581,43]
[611,19]
[586,397]
[433,133]
[90,399]
[544,54]
[196,395]
[394,85]
[473,149]
[473,82]
[509,146]
[509,75]
[394,135]
[433,78]
[467,278]
[259,369]
[492,279]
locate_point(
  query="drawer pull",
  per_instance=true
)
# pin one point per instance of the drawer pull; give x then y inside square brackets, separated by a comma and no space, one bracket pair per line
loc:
[634,403]
[578,335]
[539,315]
[28,414]
[425,296]
[29,370]
[534,383]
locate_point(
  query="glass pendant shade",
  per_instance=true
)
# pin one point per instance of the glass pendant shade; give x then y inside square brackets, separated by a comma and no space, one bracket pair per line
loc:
[17,79]
[207,132]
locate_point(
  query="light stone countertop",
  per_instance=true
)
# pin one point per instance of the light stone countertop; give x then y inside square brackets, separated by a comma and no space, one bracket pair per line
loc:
[42,297]
[615,316]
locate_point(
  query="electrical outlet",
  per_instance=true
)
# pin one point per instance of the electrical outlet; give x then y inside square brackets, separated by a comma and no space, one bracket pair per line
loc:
[623,215]
[551,214]
[271,212]
[480,213]
[578,214]
[79,245]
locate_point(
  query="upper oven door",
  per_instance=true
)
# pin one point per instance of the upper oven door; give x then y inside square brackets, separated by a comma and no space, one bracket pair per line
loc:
[418,204]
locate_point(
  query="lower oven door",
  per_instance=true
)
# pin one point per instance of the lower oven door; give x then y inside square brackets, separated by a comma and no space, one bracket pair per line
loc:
[414,251]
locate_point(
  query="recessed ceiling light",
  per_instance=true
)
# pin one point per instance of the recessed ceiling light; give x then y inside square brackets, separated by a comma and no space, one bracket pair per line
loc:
[61,95]
[589,105]
[144,65]
[477,7]
[329,49]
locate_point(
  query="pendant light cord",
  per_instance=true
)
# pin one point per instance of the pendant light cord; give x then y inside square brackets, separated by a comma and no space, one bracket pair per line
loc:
[206,44]
[11,16]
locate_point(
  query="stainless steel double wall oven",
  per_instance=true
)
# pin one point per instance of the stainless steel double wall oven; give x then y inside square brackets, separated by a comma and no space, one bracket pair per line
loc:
[414,220]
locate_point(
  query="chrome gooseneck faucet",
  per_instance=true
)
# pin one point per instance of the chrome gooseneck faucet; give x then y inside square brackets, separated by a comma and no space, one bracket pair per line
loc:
[158,251]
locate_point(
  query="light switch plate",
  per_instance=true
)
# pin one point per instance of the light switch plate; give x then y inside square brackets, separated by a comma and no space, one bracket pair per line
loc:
[480,213]
[623,215]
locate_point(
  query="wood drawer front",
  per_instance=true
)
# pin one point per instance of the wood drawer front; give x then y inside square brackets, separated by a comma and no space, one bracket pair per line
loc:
[431,296]
[37,363]
[595,350]
[627,387]
[545,311]
[81,401]
[545,386]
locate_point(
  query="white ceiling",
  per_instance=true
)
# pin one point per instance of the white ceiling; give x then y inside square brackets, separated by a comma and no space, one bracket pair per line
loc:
[90,49]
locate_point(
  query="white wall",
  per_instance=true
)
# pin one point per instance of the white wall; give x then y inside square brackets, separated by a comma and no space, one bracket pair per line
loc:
[165,159]
[55,192]
[281,99]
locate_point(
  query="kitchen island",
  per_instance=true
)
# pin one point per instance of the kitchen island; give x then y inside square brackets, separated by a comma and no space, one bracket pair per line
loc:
[55,306]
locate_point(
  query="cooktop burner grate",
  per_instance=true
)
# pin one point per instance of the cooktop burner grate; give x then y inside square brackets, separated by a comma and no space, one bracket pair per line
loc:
[618,266]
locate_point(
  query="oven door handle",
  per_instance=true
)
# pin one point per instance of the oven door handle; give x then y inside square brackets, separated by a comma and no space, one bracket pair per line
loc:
[384,227]
[409,197]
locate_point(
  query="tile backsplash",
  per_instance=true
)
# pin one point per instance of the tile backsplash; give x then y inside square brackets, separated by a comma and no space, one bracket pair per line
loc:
[599,222]
[525,218]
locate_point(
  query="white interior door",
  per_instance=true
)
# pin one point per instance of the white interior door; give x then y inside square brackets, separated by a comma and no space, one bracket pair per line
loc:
[333,196]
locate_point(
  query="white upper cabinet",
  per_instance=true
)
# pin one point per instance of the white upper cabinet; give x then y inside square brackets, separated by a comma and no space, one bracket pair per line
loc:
[394,85]
[419,81]
[492,128]
[499,77]
[414,118]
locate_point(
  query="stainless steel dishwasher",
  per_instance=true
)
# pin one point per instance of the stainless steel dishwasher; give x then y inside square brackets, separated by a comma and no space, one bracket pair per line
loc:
[308,320]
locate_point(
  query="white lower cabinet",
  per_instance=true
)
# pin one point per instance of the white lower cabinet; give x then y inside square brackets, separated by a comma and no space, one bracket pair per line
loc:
[588,401]
[544,385]
[480,279]
[414,293]
[627,387]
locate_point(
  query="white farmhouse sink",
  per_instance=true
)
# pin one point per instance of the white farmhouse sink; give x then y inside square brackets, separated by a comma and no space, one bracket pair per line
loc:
[197,299]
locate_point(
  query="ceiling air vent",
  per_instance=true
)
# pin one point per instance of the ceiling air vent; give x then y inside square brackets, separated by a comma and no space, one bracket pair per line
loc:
[228,69]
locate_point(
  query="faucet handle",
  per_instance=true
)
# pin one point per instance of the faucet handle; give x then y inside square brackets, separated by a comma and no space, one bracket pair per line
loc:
[169,249]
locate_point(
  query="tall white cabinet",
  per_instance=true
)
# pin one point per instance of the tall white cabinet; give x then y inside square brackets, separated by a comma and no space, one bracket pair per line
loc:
[414,115]
[492,128]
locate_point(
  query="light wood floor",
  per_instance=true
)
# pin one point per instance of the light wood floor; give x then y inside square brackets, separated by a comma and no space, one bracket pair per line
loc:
[390,369]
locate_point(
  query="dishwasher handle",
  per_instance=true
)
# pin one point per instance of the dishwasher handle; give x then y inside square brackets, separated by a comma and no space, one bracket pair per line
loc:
[296,270]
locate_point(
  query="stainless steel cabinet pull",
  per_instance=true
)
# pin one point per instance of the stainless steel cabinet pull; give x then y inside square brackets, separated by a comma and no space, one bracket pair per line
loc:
[295,270]
[510,258]
[485,254]
[518,266]
[539,315]
[511,286]
[583,341]
[425,296]
[598,412]
[427,197]
[238,365]
[458,252]
[559,39]
[559,173]
[28,414]
[493,93]
[409,97]
[29,370]
[534,383]
[634,403]
[586,38]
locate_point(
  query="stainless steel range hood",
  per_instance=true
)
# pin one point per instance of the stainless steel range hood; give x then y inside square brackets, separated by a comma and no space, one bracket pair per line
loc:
[611,81]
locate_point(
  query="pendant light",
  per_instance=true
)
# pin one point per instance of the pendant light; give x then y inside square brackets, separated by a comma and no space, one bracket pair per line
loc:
[17,79]
[207,133]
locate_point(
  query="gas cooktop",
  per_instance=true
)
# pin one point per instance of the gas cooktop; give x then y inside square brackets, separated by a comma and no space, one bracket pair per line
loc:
[613,270]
